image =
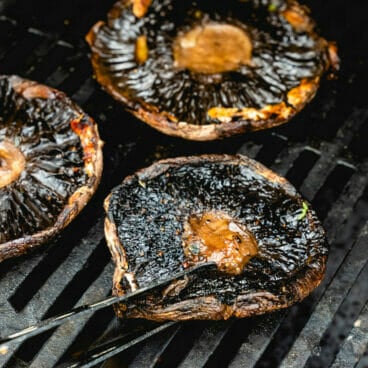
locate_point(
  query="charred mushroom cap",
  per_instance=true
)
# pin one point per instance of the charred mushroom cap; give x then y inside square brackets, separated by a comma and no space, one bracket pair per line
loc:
[147,223]
[205,70]
[50,163]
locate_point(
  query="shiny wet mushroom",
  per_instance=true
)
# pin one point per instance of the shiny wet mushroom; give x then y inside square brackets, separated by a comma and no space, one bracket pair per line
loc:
[50,163]
[205,70]
[266,241]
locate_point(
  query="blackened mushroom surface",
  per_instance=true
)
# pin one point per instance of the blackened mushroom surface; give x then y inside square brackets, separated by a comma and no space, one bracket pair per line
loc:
[233,196]
[205,70]
[50,163]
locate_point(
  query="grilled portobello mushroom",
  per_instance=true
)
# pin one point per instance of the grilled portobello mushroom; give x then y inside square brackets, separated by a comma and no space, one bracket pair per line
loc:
[50,163]
[267,243]
[204,70]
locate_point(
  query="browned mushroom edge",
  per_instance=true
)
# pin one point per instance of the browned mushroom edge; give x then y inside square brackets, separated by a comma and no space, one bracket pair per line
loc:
[228,121]
[209,307]
[93,163]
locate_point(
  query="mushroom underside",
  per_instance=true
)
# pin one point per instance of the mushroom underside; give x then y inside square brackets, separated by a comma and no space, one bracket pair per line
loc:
[50,163]
[261,78]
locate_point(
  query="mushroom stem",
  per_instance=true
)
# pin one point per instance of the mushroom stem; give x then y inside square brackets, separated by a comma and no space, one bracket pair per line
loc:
[12,163]
[212,48]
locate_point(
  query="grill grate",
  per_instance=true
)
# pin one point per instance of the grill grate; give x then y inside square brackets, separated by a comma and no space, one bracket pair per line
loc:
[323,153]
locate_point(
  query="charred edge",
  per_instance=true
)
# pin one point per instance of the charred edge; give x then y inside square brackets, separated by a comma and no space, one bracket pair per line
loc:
[298,17]
[121,264]
[237,123]
[246,305]
[92,147]
[333,65]
[30,89]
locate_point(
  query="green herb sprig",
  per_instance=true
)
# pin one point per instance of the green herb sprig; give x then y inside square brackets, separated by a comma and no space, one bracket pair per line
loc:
[304,211]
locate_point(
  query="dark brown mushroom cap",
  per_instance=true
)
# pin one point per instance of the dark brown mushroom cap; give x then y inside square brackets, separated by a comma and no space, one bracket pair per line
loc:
[145,225]
[62,164]
[134,61]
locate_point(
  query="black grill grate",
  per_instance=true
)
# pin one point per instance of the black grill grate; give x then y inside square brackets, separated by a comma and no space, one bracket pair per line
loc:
[323,152]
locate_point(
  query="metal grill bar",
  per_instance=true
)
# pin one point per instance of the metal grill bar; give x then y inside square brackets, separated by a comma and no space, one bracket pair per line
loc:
[355,344]
[43,276]
[363,362]
[354,302]
[152,350]
[252,349]
[300,313]
[93,307]
[56,345]
[209,340]
[245,346]
[337,292]
[101,354]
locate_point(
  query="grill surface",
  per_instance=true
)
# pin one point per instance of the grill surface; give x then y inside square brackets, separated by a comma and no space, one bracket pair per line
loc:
[323,152]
